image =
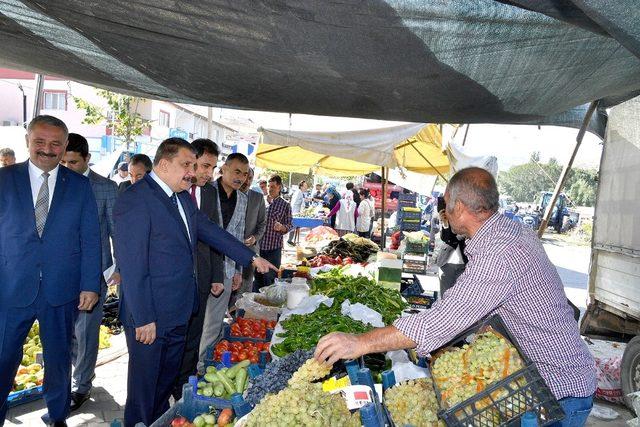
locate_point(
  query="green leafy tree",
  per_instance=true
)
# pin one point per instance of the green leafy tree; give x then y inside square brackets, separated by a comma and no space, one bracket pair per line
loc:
[121,115]
[525,182]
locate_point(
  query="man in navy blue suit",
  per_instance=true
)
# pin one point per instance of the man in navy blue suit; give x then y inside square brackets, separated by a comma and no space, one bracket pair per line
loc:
[49,261]
[157,228]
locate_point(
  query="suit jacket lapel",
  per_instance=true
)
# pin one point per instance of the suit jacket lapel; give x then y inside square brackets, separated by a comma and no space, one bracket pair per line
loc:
[58,195]
[162,196]
[23,184]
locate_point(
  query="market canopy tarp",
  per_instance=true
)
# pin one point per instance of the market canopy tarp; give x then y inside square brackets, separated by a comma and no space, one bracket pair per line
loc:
[415,147]
[417,61]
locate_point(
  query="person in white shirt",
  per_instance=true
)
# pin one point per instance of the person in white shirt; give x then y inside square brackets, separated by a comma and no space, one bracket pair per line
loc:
[123,173]
[297,204]
[366,212]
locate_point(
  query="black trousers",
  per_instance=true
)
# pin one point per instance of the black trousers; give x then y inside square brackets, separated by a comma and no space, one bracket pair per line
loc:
[191,347]
[262,280]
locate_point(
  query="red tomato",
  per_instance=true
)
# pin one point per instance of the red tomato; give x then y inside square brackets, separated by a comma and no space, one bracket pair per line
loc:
[242,355]
[254,359]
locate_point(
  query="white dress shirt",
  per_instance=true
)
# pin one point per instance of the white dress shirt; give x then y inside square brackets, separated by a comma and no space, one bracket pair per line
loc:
[36,179]
[169,192]
[198,196]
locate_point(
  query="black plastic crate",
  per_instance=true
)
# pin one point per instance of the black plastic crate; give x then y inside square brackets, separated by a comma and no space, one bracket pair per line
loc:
[410,286]
[417,248]
[522,391]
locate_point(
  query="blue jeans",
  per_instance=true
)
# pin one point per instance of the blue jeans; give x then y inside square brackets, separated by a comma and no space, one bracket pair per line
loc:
[576,410]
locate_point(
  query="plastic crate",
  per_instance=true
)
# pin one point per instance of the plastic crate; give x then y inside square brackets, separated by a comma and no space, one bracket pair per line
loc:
[227,335]
[422,302]
[265,357]
[410,286]
[417,248]
[187,407]
[253,371]
[522,391]
[410,226]
[24,396]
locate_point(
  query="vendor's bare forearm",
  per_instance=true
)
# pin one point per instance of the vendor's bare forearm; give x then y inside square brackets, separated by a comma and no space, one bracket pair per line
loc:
[385,339]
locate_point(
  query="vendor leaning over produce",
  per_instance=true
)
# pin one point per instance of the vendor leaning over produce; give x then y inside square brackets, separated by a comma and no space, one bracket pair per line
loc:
[508,274]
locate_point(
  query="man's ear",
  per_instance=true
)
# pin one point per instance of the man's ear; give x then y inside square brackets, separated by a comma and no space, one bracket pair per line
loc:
[88,157]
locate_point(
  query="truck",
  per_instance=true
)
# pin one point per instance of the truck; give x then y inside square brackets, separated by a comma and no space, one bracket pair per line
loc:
[614,277]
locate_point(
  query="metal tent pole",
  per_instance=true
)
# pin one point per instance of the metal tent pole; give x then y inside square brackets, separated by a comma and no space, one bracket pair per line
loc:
[567,168]
[38,96]
[384,206]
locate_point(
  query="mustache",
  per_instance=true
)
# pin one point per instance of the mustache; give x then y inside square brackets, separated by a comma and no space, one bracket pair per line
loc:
[42,153]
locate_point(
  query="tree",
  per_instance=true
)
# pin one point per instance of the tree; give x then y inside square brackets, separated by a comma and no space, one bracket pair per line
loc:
[121,115]
[525,182]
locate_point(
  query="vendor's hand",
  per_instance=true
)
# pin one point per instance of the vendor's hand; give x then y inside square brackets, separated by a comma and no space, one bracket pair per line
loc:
[250,241]
[338,345]
[278,227]
[236,282]
[114,279]
[263,266]
[87,300]
[146,334]
[217,289]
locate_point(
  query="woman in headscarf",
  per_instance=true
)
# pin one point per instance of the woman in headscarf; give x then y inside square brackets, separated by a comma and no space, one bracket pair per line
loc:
[333,199]
[345,214]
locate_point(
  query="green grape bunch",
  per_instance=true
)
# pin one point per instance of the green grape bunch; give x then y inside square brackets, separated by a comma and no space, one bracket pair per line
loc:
[413,403]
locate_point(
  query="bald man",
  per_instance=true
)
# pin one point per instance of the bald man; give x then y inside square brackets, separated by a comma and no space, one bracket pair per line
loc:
[508,274]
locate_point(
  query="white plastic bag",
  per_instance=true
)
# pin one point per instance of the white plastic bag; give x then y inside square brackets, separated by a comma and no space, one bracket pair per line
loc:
[403,369]
[635,400]
[362,313]
[307,305]
[256,310]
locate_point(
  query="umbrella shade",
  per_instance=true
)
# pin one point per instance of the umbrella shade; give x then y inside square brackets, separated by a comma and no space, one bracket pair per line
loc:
[416,147]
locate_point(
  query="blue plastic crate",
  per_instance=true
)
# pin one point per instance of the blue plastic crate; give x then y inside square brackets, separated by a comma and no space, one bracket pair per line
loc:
[187,407]
[24,396]
[227,335]
[265,357]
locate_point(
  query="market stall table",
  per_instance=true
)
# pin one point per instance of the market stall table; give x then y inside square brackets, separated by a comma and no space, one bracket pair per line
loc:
[299,222]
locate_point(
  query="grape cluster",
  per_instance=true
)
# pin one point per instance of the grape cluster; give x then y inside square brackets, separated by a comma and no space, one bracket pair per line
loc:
[413,403]
[304,404]
[276,375]
[311,370]
[461,373]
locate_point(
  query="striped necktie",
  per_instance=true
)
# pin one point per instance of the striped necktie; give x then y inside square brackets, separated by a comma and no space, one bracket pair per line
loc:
[42,204]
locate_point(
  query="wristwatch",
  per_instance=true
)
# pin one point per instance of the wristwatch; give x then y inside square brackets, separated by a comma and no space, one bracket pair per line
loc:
[255,257]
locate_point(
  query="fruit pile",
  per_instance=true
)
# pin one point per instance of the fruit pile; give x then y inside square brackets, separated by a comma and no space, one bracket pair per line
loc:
[206,420]
[462,372]
[413,403]
[251,328]
[303,403]
[30,374]
[276,375]
[224,382]
[240,350]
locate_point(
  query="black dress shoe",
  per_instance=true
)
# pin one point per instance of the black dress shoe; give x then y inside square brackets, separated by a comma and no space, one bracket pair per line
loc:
[78,399]
[59,424]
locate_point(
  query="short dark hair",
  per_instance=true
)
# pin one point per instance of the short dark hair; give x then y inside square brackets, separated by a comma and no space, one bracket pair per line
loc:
[7,152]
[47,120]
[364,192]
[262,181]
[301,183]
[142,159]
[276,179]
[78,144]
[205,145]
[237,156]
[169,148]
[350,185]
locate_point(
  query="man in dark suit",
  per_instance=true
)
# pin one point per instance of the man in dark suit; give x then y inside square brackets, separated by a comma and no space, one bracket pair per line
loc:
[209,262]
[49,260]
[157,227]
[87,330]
[139,166]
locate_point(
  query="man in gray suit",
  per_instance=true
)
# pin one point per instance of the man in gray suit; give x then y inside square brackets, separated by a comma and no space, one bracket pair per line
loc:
[210,263]
[87,330]
[255,225]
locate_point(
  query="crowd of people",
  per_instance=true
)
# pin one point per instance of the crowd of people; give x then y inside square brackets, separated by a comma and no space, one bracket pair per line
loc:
[185,247]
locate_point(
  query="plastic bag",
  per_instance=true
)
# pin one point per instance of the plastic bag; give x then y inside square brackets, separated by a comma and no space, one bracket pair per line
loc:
[603,413]
[403,369]
[362,313]
[255,310]
[276,293]
[608,358]
[307,305]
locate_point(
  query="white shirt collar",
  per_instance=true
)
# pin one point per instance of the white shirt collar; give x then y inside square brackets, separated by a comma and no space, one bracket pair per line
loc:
[36,173]
[161,183]
[86,173]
